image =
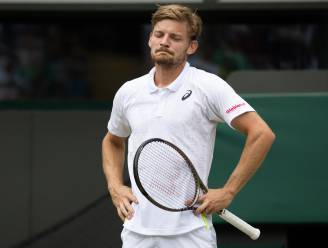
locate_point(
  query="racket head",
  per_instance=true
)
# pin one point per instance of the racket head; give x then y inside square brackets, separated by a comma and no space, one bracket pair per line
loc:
[166,176]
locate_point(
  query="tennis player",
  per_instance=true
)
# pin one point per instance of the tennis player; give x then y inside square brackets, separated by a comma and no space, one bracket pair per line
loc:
[183,105]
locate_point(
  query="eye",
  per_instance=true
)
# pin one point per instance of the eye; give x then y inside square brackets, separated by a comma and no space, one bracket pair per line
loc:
[176,37]
[158,34]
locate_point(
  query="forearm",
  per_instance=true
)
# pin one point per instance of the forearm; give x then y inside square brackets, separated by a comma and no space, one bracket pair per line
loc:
[113,152]
[257,145]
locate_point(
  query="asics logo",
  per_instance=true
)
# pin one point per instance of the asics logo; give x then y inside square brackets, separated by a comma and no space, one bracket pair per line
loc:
[186,95]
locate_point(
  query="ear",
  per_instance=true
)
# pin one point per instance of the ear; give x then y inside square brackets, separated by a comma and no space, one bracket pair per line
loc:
[192,47]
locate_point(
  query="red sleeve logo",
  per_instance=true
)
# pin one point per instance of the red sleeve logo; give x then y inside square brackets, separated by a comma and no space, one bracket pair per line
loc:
[235,107]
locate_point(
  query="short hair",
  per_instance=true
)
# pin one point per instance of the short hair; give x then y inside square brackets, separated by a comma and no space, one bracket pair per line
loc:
[179,13]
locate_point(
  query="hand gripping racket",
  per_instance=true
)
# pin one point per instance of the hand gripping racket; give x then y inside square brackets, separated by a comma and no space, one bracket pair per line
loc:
[168,179]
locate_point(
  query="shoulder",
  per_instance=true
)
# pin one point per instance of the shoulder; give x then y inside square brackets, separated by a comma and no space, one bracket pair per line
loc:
[131,87]
[206,81]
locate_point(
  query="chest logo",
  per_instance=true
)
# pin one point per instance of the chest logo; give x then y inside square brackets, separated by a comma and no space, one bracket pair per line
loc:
[186,95]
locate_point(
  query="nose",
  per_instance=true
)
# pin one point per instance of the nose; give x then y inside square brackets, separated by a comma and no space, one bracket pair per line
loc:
[165,40]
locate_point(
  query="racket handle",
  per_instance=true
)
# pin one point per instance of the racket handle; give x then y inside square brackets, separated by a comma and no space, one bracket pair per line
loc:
[246,228]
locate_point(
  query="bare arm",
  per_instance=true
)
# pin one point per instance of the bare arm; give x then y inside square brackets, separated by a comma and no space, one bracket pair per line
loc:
[259,138]
[113,152]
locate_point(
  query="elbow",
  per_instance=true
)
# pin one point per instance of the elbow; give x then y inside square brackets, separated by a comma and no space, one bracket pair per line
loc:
[271,135]
[263,133]
[268,135]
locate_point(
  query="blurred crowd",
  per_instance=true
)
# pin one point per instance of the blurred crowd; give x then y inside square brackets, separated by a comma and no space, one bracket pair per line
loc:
[50,61]
[227,48]
[39,61]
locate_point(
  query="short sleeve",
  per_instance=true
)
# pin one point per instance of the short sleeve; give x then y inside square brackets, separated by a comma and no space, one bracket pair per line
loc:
[118,123]
[223,103]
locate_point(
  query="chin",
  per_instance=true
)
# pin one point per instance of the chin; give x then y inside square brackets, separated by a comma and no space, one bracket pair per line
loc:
[163,60]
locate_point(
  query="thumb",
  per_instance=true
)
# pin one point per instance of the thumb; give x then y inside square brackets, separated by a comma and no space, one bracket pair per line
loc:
[132,198]
[201,199]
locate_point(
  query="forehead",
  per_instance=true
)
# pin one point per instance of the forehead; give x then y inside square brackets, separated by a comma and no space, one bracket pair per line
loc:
[171,26]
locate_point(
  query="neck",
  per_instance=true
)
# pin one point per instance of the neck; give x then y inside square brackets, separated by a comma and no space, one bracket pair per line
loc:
[165,75]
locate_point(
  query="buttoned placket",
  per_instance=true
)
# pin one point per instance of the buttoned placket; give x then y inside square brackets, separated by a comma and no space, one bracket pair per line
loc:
[162,95]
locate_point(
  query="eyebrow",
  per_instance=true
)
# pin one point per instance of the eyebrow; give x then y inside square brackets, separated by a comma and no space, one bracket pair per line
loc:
[176,35]
[180,35]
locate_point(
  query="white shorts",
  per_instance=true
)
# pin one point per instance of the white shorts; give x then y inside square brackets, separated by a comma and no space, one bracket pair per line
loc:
[198,238]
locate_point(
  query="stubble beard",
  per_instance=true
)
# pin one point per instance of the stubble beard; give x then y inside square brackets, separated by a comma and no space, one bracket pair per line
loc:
[166,59]
[163,59]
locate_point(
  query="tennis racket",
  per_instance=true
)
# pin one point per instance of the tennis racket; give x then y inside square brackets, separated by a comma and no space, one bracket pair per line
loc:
[168,179]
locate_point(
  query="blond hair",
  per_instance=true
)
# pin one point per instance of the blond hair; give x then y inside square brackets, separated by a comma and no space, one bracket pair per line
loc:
[181,14]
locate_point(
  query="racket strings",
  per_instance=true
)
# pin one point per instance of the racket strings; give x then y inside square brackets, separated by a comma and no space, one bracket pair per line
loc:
[153,173]
[166,177]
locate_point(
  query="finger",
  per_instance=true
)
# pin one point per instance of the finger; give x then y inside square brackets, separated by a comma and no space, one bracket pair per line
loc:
[201,208]
[189,202]
[124,211]
[209,211]
[128,207]
[119,212]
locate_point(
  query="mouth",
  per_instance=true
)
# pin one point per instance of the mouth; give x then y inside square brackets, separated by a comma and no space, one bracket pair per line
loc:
[163,51]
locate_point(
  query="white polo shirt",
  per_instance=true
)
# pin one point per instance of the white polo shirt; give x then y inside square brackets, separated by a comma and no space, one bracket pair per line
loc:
[185,113]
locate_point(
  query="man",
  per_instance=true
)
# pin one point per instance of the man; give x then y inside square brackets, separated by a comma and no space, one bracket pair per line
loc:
[181,104]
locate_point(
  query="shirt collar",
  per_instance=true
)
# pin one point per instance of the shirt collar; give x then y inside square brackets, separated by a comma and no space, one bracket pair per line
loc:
[173,87]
